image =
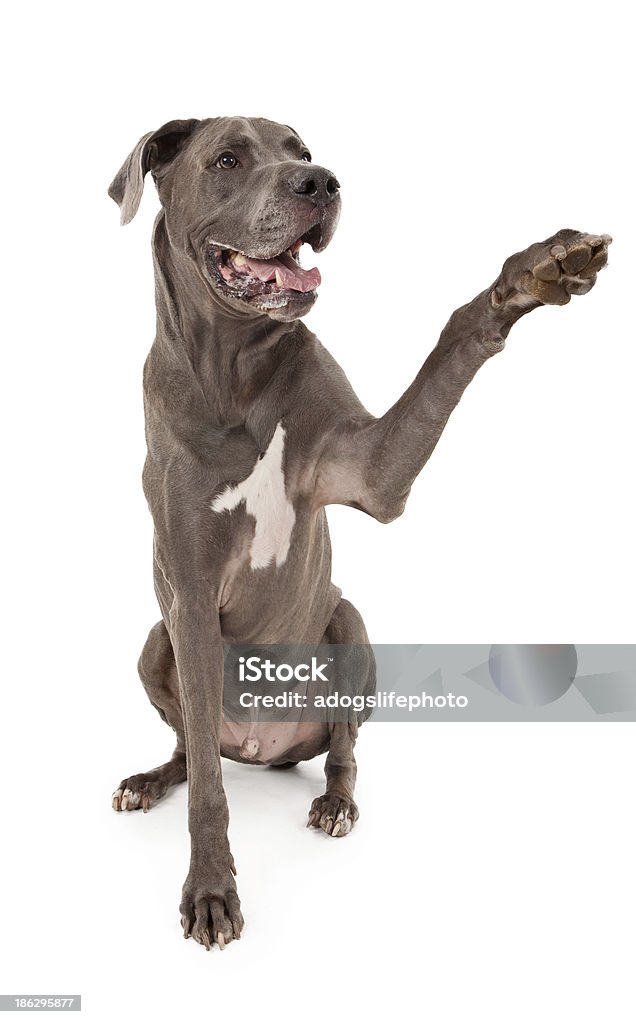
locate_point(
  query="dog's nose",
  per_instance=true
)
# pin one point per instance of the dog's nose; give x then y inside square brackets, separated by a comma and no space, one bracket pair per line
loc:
[317,184]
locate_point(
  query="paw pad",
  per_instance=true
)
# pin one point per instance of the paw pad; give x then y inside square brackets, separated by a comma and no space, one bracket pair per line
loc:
[569,268]
[551,272]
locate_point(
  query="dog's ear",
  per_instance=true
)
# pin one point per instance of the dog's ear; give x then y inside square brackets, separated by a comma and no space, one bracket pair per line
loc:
[152,152]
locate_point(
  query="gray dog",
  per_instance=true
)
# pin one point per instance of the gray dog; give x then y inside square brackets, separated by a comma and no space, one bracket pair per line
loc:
[252,429]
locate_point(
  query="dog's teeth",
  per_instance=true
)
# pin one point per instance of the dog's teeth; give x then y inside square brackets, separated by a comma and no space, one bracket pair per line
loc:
[239,259]
[279,279]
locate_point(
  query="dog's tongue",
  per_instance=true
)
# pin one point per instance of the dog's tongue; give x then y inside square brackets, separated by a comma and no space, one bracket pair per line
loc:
[285,271]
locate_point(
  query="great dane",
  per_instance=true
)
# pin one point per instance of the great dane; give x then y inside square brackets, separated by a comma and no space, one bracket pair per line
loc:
[252,429]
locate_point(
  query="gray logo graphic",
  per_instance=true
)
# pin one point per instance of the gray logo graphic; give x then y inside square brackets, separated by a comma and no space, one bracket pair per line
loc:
[533,674]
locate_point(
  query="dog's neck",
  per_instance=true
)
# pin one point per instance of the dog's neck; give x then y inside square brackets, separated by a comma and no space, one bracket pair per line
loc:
[227,356]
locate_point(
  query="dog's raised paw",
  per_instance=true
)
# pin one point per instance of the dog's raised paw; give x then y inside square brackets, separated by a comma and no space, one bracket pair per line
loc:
[551,272]
[333,814]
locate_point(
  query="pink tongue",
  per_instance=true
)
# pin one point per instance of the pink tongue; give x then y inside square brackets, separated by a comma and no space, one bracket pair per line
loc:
[290,274]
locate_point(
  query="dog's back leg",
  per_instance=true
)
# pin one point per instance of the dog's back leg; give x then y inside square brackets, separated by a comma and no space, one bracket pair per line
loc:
[336,812]
[158,673]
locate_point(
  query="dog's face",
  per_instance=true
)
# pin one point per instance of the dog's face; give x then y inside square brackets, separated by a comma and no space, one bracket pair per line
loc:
[241,196]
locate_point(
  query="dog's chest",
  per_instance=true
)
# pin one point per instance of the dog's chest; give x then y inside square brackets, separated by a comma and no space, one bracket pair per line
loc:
[263,497]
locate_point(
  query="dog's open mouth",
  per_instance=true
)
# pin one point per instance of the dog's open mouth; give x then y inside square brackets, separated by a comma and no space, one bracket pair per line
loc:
[273,282]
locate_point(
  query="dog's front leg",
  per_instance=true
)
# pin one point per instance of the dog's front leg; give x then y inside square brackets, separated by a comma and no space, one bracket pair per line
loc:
[371,463]
[210,907]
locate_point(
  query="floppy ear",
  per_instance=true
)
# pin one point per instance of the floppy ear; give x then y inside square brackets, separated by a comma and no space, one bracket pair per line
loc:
[152,152]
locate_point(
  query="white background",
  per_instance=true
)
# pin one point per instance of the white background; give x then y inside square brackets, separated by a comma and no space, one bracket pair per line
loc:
[491,873]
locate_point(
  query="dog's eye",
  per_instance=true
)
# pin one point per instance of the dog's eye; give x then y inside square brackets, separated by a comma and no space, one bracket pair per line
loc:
[306,157]
[227,161]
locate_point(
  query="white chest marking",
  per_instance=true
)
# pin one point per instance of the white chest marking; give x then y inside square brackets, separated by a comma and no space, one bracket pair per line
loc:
[264,495]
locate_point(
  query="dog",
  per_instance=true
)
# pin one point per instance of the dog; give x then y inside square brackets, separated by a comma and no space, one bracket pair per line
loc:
[252,429]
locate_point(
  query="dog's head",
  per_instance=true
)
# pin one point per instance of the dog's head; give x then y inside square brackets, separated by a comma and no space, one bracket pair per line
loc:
[241,196]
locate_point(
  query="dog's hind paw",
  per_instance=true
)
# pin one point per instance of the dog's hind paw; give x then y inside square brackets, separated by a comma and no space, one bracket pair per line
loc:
[141,792]
[333,815]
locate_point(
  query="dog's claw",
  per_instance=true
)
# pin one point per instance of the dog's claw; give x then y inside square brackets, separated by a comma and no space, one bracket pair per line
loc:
[117,795]
[336,829]
[220,938]
[130,801]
